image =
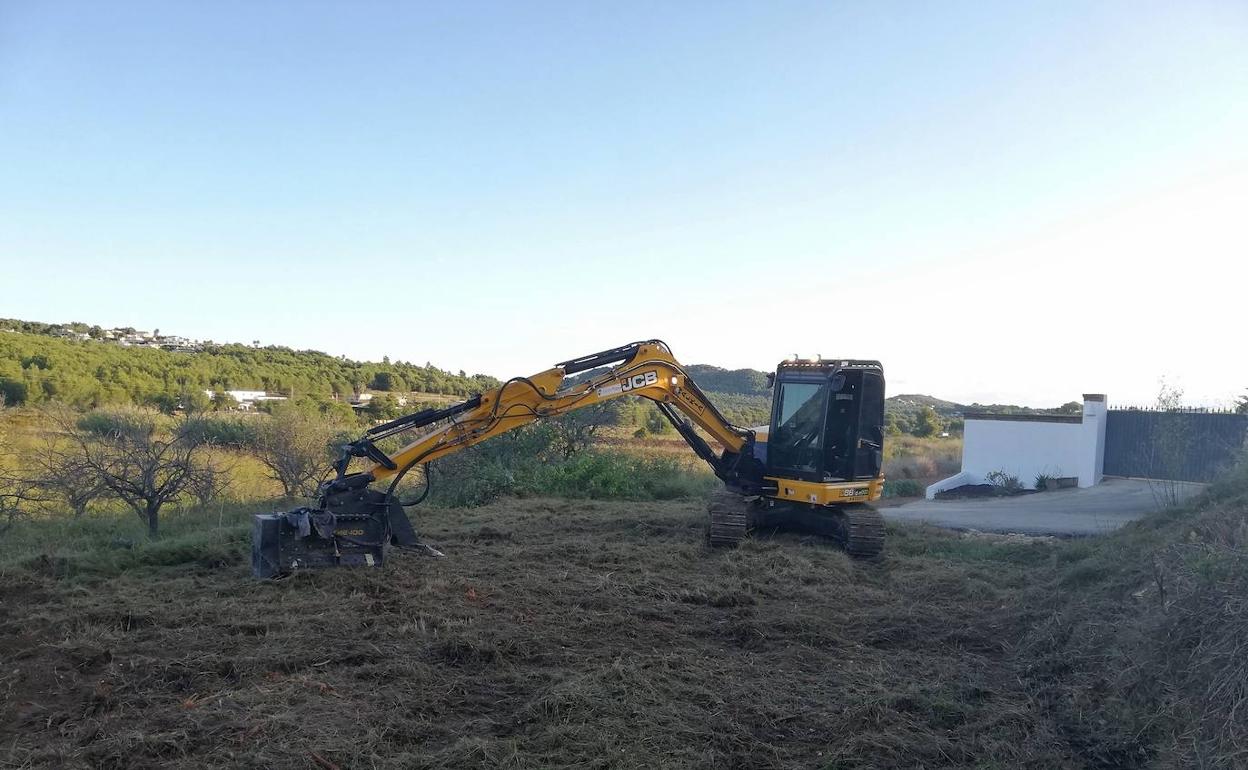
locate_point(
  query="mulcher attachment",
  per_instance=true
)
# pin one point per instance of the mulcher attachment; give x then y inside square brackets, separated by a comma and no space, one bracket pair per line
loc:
[351,528]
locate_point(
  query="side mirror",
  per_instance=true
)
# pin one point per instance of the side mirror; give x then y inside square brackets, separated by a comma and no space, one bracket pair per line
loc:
[771,380]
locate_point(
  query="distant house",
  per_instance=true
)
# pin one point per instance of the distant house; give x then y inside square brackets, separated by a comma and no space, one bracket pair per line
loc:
[135,340]
[247,399]
[176,343]
[69,334]
[361,401]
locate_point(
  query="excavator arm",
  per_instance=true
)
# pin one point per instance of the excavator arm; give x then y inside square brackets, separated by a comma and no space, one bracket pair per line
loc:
[372,516]
[644,369]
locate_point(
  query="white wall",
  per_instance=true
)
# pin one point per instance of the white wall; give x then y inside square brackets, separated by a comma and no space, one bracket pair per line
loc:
[1023,449]
[1028,448]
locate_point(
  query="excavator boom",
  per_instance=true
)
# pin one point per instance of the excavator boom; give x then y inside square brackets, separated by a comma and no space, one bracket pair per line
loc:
[644,369]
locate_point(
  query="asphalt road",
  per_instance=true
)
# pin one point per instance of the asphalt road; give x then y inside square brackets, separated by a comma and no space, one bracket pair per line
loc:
[1091,511]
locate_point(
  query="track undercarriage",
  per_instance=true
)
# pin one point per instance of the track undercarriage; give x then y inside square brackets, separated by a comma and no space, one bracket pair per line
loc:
[856,527]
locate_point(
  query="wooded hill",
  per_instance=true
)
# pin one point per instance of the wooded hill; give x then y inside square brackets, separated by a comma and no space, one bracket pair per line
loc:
[35,368]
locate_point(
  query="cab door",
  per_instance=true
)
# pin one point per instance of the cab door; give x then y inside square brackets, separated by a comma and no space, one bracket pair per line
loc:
[869,457]
[795,441]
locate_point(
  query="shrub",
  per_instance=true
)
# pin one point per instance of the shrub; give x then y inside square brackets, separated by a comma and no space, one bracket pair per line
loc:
[610,475]
[124,421]
[529,462]
[903,488]
[1005,483]
[235,431]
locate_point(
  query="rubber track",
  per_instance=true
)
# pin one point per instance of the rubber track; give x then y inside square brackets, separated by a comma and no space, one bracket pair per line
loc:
[864,531]
[728,519]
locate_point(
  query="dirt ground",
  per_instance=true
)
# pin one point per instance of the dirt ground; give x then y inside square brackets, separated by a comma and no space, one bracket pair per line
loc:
[553,634]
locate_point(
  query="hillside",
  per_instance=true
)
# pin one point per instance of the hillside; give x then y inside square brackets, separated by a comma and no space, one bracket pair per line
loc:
[912,402]
[38,367]
[39,363]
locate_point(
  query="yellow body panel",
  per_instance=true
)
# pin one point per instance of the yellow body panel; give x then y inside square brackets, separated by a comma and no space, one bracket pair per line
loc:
[828,492]
[822,493]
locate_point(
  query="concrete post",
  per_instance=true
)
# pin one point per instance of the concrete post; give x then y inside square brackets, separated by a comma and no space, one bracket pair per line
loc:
[1092,452]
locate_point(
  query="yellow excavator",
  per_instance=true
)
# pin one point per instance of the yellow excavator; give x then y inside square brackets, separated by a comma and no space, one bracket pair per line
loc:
[815,468]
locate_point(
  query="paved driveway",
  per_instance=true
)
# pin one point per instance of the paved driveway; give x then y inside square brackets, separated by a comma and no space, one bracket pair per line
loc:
[1092,511]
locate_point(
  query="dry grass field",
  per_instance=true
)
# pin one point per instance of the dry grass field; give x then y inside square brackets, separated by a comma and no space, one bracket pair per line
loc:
[602,634]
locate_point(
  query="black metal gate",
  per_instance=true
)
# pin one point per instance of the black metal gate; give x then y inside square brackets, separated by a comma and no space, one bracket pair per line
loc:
[1172,444]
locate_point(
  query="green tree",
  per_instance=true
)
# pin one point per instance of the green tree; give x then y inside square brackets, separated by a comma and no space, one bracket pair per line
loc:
[927,423]
[194,400]
[893,424]
[12,392]
[656,423]
[223,401]
[383,407]
[1242,406]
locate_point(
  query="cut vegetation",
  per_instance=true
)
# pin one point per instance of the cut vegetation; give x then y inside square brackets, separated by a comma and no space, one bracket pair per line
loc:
[602,634]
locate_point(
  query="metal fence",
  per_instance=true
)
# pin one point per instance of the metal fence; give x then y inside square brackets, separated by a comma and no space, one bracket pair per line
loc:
[1179,444]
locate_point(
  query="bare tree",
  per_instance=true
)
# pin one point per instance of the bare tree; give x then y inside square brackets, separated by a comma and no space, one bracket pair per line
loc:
[295,448]
[211,480]
[66,478]
[576,430]
[143,465]
[18,492]
[62,474]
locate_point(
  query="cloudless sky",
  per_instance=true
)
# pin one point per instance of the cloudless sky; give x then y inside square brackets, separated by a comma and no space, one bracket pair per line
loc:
[1011,202]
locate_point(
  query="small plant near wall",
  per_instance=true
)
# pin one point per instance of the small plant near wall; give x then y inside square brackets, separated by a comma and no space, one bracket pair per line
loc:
[1005,483]
[1044,481]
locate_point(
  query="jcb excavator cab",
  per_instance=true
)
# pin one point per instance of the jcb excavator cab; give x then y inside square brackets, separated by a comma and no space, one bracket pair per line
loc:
[822,456]
[827,421]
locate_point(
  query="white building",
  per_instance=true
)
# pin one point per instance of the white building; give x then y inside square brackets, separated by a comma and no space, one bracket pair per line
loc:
[1030,445]
[247,399]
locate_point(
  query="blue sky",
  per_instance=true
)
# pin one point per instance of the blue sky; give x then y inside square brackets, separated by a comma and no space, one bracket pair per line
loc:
[1016,202]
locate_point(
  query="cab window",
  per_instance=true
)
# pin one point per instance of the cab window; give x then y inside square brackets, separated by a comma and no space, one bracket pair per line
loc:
[798,438]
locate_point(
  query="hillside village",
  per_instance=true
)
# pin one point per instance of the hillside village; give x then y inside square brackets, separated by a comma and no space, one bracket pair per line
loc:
[125,336]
